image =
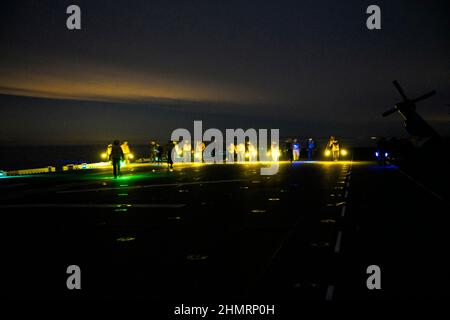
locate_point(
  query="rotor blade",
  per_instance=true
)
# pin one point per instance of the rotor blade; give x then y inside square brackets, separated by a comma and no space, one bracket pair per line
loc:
[390,111]
[400,90]
[426,95]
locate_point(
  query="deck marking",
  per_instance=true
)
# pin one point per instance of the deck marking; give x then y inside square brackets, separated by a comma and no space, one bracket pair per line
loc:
[179,184]
[337,248]
[343,211]
[330,292]
[13,185]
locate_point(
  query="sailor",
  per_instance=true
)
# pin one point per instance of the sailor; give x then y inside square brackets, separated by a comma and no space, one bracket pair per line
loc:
[311,147]
[126,151]
[288,150]
[187,151]
[159,153]
[295,150]
[334,146]
[240,151]
[274,151]
[116,156]
[153,151]
[108,150]
[199,148]
[170,148]
[231,149]
[252,153]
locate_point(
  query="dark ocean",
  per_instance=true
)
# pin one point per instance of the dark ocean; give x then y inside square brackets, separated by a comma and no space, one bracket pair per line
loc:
[26,157]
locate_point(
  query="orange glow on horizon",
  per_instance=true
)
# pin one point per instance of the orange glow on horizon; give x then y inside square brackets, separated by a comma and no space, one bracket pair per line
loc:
[115,85]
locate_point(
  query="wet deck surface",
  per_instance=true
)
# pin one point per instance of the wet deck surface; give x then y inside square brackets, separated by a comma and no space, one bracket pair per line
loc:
[224,231]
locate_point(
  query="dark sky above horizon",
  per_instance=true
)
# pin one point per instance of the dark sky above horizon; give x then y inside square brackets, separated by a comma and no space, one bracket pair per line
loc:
[139,69]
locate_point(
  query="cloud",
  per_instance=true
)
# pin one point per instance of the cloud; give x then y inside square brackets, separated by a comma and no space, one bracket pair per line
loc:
[66,80]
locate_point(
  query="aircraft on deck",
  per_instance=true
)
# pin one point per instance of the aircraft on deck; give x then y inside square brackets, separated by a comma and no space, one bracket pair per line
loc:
[416,126]
[424,142]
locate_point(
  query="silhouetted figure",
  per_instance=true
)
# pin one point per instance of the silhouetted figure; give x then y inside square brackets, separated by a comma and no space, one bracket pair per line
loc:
[153,151]
[169,154]
[289,151]
[159,153]
[311,147]
[116,156]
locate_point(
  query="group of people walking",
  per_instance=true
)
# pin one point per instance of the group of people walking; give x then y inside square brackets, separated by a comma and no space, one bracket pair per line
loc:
[242,152]
[293,149]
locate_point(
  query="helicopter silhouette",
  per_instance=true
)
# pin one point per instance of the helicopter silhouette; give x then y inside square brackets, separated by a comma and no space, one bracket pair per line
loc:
[414,123]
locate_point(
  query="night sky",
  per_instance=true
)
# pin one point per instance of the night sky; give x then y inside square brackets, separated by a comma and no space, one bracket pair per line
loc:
[139,69]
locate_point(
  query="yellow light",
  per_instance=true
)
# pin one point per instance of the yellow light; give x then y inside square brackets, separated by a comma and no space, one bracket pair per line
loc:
[268,154]
[254,153]
[103,155]
[130,156]
[344,152]
[247,154]
[327,153]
